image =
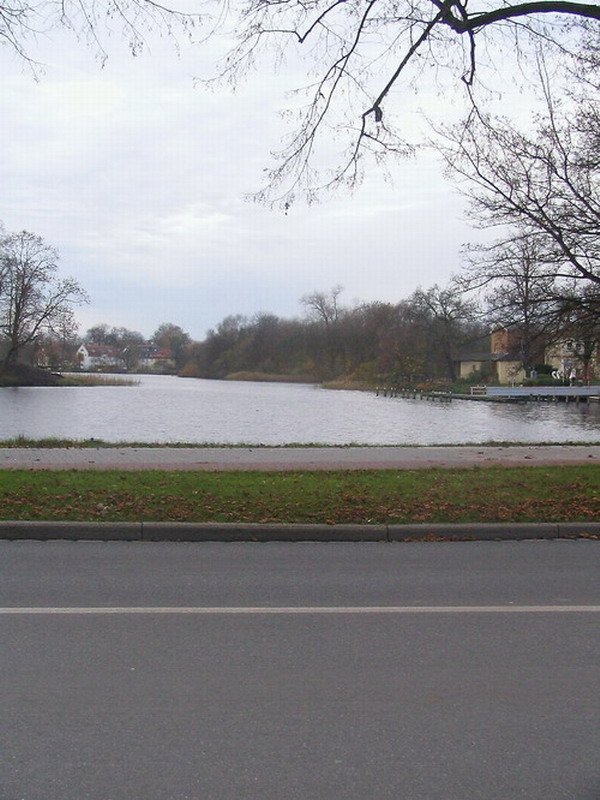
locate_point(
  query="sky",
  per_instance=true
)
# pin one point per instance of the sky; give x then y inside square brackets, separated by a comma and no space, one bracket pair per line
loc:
[139,176]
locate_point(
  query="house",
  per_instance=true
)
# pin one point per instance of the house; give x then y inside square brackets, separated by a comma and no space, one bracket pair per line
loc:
[156,359]
[571,355]
[92,357]
[499,364]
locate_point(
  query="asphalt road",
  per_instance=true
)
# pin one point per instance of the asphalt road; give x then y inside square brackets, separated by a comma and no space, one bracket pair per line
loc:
[295,458]
[443,671]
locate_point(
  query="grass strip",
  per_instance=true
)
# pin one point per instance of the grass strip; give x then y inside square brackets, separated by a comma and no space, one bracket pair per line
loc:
[56,442]
[494,494]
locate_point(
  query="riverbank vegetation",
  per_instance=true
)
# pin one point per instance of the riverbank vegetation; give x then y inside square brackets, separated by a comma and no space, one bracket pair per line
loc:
[526,494]
[23,375]
[420,341]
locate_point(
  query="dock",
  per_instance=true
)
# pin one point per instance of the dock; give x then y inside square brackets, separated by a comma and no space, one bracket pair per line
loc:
[552,394]
[501,394]
[413,394]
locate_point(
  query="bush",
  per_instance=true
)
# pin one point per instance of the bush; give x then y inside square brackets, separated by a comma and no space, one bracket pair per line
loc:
[544,380]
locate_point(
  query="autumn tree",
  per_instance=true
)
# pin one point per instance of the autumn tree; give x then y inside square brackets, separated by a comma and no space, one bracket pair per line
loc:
[173,338]
[127,342]
[33,300]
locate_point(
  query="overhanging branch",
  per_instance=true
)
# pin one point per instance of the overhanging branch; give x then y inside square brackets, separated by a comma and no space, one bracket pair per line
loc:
[464,24]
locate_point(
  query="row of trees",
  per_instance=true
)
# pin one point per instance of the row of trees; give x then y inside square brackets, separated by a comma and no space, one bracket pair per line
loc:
[508,284]
[419,338]
[131,344]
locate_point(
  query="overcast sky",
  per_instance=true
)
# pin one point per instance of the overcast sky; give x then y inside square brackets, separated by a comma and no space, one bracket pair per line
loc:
[138,177]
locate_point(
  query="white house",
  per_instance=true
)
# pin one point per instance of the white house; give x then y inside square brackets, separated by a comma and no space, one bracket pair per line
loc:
[99,357]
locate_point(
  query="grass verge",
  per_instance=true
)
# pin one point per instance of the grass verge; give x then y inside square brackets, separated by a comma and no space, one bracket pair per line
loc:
[524,494]
[59,442]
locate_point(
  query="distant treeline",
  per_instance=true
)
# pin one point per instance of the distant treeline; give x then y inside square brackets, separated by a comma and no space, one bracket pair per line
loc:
[415,338]
[420,338]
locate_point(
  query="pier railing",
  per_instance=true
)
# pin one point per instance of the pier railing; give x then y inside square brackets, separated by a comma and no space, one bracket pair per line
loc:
[498,393]
[411,393]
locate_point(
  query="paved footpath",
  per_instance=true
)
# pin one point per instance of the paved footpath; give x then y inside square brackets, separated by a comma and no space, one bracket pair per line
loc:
[297,458]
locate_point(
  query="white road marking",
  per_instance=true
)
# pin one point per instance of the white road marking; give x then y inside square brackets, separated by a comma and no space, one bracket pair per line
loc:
[216,610]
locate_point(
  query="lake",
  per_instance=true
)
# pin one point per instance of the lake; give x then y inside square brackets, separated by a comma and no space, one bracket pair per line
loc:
[169,409]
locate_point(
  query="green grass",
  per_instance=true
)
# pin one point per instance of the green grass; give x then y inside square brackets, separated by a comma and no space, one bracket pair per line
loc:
[389,496]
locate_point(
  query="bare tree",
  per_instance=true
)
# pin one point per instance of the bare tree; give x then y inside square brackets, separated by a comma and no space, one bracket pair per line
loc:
[518,294]
[361,53]
[324,309]
[580,322]
[448,311]
[545,187]
[22,23]
[33,300]
[324,306]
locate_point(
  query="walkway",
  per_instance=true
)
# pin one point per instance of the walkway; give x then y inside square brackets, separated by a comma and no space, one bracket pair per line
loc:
[301,458]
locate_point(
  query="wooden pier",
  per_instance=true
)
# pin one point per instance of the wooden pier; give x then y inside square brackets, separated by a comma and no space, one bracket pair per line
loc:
[500,394]
[413,394]
[544,394]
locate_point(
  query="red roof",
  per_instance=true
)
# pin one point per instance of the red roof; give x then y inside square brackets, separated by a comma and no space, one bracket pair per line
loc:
[99,350]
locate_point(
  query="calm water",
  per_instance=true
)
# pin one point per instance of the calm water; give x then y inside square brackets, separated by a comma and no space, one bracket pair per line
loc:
[169,409]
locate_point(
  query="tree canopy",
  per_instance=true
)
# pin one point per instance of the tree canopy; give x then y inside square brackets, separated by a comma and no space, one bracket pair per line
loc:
[356,54]
[359,55]
[544,187]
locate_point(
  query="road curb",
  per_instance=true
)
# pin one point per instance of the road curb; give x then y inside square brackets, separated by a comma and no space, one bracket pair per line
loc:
[255,532]
[102,531]
[577,530]
[292,532]
[472,531]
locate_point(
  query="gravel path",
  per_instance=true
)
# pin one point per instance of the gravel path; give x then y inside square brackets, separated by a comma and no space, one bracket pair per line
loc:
[301,458]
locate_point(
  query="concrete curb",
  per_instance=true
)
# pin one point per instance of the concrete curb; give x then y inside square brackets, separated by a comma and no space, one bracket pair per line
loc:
[292,532]
[102,531]
[255,532]
[471,531]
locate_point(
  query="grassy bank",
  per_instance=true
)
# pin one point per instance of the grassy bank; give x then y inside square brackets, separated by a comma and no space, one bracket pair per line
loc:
[269,377]
[475,495]
[89,379]
[22,375]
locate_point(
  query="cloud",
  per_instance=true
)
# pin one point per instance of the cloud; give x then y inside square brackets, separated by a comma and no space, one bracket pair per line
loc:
[138,178]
